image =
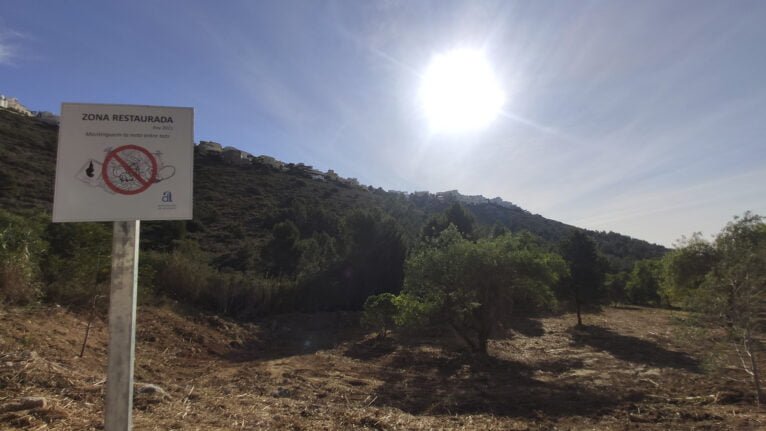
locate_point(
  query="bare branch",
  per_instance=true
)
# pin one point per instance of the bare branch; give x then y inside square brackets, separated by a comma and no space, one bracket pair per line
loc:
[742,360]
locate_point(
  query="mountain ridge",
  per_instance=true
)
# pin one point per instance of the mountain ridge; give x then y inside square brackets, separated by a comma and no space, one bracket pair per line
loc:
[248,198]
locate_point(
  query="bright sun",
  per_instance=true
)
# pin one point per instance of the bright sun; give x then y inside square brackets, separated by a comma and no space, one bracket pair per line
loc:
[459,92]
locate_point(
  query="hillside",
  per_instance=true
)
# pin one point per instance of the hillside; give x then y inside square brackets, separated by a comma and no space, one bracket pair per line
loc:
[626,370]
[237,205]
[27,162]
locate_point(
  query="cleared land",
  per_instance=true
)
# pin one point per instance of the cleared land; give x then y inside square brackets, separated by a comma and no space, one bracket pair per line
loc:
[628,369]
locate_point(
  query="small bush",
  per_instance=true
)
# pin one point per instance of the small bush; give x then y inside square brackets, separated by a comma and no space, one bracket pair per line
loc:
[17,286]
[77,265]
[20,248]
[380,312]
[184,274]
[247,295]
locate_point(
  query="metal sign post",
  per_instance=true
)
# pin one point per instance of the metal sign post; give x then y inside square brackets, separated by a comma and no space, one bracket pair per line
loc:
[122,326]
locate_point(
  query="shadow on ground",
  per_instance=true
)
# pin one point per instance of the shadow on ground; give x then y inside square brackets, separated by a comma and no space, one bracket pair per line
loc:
[440,383]
[371,348]
[527,327]
[286,336]
[633,349]
[627,307]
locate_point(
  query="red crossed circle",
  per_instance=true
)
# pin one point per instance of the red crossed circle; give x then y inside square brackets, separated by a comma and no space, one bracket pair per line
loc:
[127,165]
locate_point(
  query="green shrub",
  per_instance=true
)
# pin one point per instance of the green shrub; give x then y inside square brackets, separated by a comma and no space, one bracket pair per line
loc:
[249,295]
[183,274]
[20,249]
[380,312]
[78,262]
[643,285]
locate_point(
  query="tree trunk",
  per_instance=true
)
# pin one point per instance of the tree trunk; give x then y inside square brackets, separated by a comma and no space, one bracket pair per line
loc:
[471,344]
[754,367]
[486,322]
[577,306]
[483,336]
[90,322]
[482,348]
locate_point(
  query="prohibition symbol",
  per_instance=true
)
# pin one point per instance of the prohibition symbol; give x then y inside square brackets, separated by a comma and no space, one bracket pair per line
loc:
[129,170]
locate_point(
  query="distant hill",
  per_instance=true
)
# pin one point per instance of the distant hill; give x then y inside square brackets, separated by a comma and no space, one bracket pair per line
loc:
[236,205]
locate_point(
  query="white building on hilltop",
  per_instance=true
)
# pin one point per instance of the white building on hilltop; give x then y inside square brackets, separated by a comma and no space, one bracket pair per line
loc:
[209,147]
[236,156]
[13,104]
[270,161]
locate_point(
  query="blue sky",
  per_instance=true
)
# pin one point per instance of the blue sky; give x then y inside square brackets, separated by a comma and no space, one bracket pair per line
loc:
[646,118]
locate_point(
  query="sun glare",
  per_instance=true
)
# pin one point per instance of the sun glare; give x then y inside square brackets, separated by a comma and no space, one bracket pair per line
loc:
[459,92]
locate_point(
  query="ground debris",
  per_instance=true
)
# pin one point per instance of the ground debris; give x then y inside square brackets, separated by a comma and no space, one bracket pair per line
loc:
[26,403]
[150,389]
[207,373]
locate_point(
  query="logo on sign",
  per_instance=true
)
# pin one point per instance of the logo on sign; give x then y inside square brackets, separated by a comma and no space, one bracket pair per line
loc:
[129,170]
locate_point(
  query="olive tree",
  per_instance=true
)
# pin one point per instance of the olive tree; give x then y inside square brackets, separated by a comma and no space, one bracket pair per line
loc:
[725,280]
[685,269]
[472,286]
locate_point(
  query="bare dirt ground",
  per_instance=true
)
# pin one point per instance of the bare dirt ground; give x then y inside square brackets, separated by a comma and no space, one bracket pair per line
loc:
[627,369]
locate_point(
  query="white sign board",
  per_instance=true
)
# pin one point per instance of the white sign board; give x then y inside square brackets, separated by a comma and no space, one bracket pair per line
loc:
[124,162]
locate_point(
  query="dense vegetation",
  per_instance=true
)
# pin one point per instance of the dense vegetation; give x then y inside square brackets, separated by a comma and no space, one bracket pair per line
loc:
[263,240]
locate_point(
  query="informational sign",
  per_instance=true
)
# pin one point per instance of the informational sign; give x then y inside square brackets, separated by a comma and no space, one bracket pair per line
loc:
[124,162]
